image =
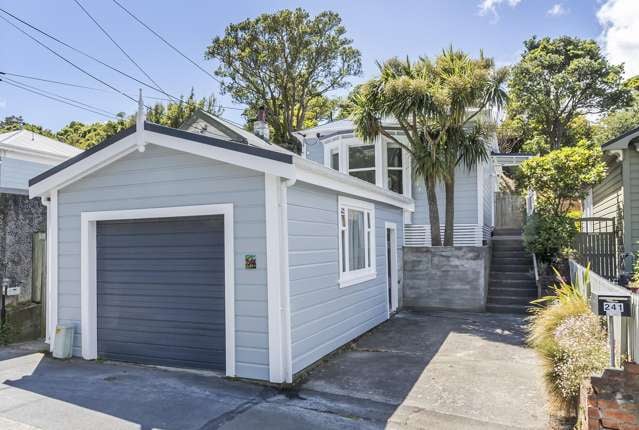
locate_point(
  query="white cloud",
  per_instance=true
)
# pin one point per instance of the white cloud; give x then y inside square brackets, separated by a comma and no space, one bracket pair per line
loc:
[557,9]
[490,6]
[620,35]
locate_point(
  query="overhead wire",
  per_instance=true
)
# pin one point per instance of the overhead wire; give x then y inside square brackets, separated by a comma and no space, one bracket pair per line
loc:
[67,60]
[51,81]
[126,54]
[79,51]
[169,44]
[57,99]
[57,95]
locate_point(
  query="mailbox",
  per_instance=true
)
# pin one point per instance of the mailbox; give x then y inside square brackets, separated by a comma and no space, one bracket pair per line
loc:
[611,305]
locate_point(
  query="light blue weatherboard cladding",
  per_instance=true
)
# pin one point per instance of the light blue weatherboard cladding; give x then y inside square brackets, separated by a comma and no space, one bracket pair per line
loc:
[161,177]
[465,198]
[323,315]
[16,173]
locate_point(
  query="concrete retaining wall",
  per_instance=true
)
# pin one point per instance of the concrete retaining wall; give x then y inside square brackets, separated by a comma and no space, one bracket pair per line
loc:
[446,277]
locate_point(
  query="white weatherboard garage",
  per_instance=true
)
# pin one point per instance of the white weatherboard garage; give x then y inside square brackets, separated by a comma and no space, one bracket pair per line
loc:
[173,248]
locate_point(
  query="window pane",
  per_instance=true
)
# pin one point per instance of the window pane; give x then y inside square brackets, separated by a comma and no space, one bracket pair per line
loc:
[367,175]
[395,181]
[335,160]
[356,239]
[361,157]
[394,156]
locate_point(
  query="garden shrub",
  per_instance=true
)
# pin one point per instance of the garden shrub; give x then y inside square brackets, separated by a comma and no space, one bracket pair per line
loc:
[549,235]
[571,342]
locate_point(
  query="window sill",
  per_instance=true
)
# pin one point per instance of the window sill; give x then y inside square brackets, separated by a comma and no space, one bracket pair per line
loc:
[350,281]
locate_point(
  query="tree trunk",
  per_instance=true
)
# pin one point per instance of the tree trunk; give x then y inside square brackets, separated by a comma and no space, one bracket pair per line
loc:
[449,185]
[433,211]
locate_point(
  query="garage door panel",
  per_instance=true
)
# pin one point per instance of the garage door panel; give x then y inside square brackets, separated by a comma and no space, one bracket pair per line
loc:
[168,252]
[161,355]
[160,291]
[158,240]
[211,304]
[168,340]
[170,277]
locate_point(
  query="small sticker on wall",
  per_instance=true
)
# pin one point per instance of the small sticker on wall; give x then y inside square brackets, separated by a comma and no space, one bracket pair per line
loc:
[250,262]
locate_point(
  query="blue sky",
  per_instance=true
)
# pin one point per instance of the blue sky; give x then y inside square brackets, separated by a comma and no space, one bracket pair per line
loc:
[380,29]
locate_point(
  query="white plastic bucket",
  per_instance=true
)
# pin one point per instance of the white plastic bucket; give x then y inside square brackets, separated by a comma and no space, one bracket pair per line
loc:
[63,341]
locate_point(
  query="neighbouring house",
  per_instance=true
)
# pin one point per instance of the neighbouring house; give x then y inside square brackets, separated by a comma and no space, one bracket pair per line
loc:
[216,250]
[612,207]
[24,154]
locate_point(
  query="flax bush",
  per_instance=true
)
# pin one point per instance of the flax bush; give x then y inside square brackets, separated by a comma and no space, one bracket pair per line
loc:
[571,342]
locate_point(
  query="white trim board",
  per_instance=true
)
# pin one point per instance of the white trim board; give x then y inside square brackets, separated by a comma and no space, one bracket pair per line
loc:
[394,287]
[88,280]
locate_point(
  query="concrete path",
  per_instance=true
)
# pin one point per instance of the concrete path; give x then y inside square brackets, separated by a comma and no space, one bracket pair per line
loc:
[436,371]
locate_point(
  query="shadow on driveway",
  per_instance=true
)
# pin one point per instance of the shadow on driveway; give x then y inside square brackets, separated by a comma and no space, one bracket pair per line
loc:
[432,371]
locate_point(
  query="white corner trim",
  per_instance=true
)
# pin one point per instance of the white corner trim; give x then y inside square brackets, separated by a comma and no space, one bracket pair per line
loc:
[52,266]
[274,278]
[286,283]
[394,287]
[316,174]
[88,283]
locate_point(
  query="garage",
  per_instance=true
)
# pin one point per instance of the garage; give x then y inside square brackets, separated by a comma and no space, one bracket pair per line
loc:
[160,291]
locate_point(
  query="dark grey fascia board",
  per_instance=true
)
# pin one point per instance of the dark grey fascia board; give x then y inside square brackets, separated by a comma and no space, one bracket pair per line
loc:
[168,131]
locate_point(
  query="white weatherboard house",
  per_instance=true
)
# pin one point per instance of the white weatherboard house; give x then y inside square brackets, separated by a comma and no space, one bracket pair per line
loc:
[178,248]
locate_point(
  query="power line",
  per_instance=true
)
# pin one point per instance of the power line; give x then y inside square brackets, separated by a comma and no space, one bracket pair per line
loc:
[68,84]
[57,95]
[56,99]
[65,59]
[169,44]
[79,51]
[106,33]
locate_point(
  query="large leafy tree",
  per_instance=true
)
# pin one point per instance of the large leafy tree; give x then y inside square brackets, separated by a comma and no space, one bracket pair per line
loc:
[437,104]
[556,81]
[285,61]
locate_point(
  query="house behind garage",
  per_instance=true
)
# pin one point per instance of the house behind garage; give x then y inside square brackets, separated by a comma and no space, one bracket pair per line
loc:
[176,248]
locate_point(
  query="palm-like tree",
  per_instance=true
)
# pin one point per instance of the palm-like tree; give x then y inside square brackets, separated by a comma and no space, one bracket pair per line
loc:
[434,103]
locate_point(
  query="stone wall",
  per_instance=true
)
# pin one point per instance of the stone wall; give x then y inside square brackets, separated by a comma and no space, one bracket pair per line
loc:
[611,402]
[20,217]
[446,277]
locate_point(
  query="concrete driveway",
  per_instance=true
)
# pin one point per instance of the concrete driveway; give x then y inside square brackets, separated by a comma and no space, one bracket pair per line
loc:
[430,371]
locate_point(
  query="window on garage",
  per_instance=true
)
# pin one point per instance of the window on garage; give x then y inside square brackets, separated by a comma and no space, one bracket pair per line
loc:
[356,241]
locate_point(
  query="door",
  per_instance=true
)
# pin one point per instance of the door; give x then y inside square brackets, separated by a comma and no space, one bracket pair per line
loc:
[160,291]
[391,267]
[509,210]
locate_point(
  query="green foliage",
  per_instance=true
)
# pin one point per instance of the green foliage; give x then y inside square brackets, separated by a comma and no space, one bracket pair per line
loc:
[284,61]
[85,136]
[616,123]
[570,341]
[434,102]
[6,333]
[561,177]
[549,235]
[12,123]
[556,81]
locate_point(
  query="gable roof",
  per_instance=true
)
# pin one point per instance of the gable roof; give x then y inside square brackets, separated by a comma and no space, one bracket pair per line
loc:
[31,143]
[622,141]
[232,131]
[278,163]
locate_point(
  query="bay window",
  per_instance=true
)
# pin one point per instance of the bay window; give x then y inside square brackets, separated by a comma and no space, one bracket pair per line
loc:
[356,241]
[361,162]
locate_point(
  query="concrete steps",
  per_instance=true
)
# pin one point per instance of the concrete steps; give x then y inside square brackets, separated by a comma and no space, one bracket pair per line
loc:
[512,284]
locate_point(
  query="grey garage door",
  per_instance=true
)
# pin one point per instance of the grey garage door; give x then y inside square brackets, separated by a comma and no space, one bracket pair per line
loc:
[160,291]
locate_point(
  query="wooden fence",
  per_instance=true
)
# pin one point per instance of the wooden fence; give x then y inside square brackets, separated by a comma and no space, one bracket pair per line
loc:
[597,244]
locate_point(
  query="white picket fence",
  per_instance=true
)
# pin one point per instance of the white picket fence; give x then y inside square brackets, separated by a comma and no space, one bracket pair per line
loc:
[626,329]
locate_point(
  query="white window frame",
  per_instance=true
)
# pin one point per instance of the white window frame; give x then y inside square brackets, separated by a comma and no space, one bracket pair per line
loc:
[388,168]
[376,161]
[352,277]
